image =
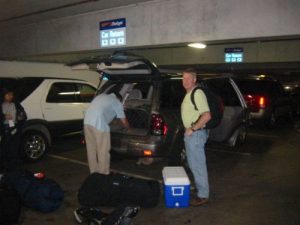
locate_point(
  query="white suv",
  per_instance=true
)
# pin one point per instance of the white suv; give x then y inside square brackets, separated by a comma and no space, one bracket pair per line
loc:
[54,107]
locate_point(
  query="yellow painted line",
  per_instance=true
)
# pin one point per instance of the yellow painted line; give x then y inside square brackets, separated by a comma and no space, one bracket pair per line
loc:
[112,170]
[264,135]
[230,152]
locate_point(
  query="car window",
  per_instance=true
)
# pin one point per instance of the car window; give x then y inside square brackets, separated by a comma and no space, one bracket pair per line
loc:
[62,92]
[85,92]
[225,90]
[22,87]
[134,94]
[252,86]
[172,94]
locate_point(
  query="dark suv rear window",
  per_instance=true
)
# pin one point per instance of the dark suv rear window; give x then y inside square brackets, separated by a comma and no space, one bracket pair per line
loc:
[253,86]
[172,94]
[22,87]
[225,90]
[249,86]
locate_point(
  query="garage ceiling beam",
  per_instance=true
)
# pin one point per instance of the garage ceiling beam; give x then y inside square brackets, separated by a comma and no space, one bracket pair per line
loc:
[48,10]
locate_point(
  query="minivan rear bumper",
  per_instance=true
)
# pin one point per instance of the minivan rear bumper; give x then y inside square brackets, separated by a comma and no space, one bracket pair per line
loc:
[139,146]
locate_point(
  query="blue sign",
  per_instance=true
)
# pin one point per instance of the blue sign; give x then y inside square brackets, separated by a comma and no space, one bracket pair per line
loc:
[234,55]
[113,33]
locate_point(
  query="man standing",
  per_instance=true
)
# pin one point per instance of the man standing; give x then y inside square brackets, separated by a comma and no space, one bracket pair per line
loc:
[196,135]
[102,110]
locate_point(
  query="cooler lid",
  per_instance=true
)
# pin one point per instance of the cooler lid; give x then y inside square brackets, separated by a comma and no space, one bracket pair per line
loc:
[175,175]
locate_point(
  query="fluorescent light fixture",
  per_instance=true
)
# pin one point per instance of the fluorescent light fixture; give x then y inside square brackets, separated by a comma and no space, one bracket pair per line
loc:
[197,45]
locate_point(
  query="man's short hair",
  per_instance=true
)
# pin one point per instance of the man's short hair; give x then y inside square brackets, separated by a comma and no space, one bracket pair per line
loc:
[191,71]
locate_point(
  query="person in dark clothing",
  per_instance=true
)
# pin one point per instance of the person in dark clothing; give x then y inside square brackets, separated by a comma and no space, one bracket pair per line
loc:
[12,119]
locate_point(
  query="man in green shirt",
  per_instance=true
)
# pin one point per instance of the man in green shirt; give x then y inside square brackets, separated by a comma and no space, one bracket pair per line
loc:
[196,135]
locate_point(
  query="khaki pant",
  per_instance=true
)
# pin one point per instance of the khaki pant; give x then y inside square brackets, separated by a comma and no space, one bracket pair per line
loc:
[98,149]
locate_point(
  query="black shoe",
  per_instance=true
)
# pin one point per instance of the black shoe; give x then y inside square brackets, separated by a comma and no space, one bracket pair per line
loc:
[121,216]
[84,214]
[78,213]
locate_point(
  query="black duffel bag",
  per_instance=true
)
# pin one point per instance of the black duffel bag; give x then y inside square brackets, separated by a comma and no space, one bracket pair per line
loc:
[10,206]
[115,189]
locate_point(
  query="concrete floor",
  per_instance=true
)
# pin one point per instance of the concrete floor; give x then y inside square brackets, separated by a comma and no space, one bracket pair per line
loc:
[258,185]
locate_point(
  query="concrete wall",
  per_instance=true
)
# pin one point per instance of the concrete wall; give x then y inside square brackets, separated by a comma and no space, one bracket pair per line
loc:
[159,22]
[29,69]
[254,52]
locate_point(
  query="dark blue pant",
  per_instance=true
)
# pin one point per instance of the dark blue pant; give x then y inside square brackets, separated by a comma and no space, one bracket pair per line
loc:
[10,152]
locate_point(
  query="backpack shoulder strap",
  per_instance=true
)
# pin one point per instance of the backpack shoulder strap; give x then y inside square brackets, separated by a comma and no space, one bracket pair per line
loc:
[193,97]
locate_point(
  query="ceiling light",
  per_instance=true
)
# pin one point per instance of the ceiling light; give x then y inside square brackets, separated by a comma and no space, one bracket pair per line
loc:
[197,45]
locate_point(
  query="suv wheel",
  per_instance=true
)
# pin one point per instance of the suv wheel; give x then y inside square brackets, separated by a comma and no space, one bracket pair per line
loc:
[178,157]
[240,137]
[35,145]
[271,121]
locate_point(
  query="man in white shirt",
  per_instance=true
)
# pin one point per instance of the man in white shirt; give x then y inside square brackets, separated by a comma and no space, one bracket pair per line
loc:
[102,110]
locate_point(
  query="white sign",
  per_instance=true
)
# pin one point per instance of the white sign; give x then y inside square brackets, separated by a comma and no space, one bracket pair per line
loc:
[113,33]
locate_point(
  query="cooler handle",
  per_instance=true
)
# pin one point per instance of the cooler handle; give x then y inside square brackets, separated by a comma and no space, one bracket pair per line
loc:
[177,191]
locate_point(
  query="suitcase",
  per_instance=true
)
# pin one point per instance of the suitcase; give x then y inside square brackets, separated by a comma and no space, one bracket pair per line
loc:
[10,206]
[115,189]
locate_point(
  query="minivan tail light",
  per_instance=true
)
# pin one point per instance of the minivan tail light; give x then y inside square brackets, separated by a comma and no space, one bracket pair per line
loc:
[158,126]
[148,153]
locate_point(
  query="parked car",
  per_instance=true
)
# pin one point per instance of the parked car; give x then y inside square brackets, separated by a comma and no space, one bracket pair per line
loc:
[152,105]
[54,107]
[266,99]
[293,90]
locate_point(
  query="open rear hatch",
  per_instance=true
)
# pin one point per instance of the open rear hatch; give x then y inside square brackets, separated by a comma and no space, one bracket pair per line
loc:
[120,65]
[128,69]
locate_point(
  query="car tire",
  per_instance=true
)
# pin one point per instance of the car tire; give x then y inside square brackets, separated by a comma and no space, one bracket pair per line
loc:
[178,156]
[35,146]
[271,121]
[240,137]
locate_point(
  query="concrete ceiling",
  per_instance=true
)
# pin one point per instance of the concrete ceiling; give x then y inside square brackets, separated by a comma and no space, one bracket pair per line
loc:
[29,11]
[33,10]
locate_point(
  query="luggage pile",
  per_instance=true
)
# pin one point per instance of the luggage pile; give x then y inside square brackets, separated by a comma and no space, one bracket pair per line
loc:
[22,188]
[126,193]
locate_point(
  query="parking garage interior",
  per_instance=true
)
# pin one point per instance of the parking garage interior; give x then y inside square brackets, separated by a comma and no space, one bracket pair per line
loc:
[255,184]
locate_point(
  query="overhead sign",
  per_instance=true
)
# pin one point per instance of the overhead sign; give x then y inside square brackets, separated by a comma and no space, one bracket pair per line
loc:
[113,33]
[234,55]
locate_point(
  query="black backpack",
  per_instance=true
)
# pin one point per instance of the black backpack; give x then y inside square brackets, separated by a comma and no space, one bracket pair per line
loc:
[215,105]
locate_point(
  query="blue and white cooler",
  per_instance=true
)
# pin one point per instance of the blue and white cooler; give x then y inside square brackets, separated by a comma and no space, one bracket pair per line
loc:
[176,187]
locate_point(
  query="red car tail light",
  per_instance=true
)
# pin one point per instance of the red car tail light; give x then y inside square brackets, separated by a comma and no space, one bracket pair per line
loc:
[262,102]
[255,102]
[158,126]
